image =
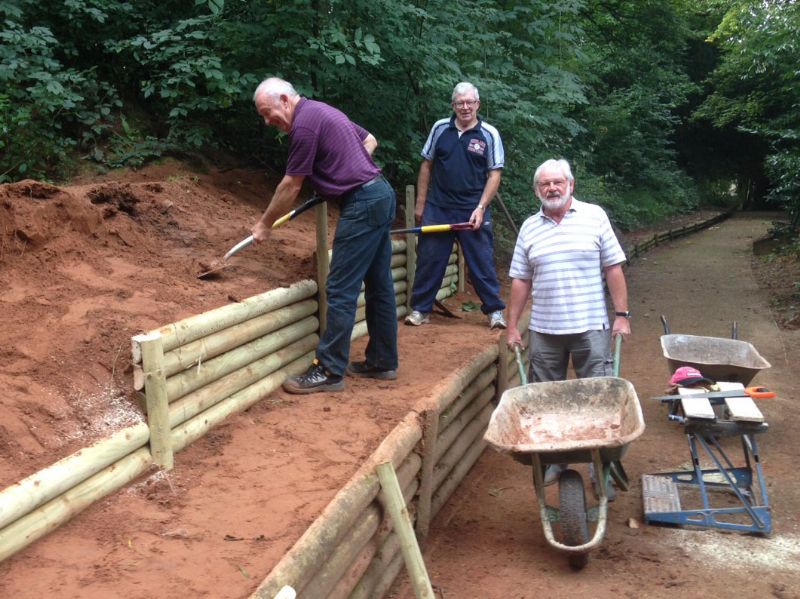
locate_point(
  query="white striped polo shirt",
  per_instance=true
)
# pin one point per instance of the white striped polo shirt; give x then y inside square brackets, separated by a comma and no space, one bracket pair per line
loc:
[565,261]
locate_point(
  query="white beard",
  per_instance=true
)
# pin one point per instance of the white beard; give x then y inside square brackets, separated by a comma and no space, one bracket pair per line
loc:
[555,203]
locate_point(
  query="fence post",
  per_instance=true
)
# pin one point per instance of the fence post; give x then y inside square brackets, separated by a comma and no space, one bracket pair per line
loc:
[411,243]
[430,434]
[155,385]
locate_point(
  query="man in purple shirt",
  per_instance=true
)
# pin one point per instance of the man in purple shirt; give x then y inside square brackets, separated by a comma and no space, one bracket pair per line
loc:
[336,156]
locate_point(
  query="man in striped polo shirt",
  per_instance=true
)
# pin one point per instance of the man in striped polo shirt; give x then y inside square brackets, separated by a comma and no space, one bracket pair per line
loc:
[462,162]
[336,156]
[561,256]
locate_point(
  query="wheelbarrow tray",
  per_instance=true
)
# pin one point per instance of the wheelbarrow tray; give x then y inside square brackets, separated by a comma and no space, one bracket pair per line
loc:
[717,358]
[566,420]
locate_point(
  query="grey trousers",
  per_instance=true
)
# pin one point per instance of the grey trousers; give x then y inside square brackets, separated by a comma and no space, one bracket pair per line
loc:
[549,355]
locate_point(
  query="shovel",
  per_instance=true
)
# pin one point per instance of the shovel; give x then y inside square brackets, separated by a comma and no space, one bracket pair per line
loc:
[219,265]
[424,229]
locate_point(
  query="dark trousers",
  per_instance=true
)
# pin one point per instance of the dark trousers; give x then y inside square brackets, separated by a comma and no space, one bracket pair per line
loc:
[362,252]
[433,252]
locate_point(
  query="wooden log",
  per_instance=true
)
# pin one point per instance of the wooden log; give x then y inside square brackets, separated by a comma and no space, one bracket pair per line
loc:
[388,560]
[430,431]
[412,555]
[360,328]
[202,325]
[323,262]
[308,554]
[398,246]
[189,431]
[399,260]
[455,453]
[458,473]
[354,540]
[192,404]
[202,350]
[189,380]
[484,379]
[37,489]
[348,582]
[447,391]
[455,428]
[155,385]
[52,514]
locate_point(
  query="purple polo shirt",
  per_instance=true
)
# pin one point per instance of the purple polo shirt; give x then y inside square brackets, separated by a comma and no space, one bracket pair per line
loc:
[328,148]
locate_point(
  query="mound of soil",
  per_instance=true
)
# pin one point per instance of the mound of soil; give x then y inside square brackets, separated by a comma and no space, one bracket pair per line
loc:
[85,267]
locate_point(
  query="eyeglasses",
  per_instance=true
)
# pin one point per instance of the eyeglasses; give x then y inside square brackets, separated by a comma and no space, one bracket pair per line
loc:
[547,184]
[465,104]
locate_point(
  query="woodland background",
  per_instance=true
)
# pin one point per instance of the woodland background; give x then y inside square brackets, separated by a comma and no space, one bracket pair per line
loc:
[661,105]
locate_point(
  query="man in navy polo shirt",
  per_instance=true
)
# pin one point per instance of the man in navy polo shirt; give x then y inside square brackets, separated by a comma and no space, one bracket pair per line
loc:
[336,156]
[463,161]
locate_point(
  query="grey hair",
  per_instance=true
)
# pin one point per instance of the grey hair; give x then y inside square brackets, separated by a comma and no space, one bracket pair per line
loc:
[274,87]
[465,87]
[561,164]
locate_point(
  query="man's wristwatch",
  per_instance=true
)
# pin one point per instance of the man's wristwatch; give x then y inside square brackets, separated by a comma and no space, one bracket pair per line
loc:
[625,313]
[482,207]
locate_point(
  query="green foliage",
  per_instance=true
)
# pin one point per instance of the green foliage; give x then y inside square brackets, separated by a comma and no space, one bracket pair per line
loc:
[621,88]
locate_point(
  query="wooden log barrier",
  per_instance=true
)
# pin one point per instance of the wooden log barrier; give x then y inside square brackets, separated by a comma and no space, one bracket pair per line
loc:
[189,380]
[456,428]
[479,383]
[412,555]
[202,350]
[39,488]
[357,537]
[194,403]
[54,513]
[194,428]
[448,486]
[314,547]
[452,457]
[201,325]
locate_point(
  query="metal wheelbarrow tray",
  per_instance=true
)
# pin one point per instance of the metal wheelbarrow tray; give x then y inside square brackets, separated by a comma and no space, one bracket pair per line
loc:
[588,420]
[717,358]
[565,420]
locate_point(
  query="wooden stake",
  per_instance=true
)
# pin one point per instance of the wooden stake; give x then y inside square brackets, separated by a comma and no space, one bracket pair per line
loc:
[155,388]
[411,241]
[396,507]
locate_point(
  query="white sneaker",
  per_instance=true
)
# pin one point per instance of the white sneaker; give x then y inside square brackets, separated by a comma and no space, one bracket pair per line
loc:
[496,320]
[417,318]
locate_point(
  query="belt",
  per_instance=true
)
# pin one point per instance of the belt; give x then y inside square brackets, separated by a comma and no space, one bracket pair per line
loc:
[370,182]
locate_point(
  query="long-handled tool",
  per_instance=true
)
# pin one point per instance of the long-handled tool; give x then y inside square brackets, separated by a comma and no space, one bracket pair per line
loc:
[424,229]
[219,265]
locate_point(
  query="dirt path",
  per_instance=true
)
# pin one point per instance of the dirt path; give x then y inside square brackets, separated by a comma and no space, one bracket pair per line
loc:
[488,541]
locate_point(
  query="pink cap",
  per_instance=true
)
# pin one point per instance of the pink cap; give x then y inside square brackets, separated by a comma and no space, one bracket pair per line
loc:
[688,375]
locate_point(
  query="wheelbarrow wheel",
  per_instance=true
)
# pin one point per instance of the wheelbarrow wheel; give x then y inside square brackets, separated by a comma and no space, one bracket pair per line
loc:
[573,519]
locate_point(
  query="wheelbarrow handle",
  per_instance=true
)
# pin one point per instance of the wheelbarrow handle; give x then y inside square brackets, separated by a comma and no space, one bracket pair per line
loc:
[523,377]
[617,352]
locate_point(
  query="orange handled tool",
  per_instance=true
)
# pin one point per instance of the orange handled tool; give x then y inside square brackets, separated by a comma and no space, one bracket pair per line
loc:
[759,392]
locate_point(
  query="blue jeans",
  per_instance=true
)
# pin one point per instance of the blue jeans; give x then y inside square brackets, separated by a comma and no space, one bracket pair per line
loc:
[433,252]
[362,251]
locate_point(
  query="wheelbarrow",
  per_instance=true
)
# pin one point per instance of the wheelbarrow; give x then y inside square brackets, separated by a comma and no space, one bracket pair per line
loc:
[591,420]
[717,358]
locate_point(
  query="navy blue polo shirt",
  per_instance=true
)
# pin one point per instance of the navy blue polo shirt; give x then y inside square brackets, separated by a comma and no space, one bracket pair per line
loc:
[461,164]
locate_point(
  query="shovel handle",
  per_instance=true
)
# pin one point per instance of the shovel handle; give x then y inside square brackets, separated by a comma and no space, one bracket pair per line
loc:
[239,246]
[523,377]
[310,203]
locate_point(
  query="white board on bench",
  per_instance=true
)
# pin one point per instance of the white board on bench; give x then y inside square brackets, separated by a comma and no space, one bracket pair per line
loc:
[698,408]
